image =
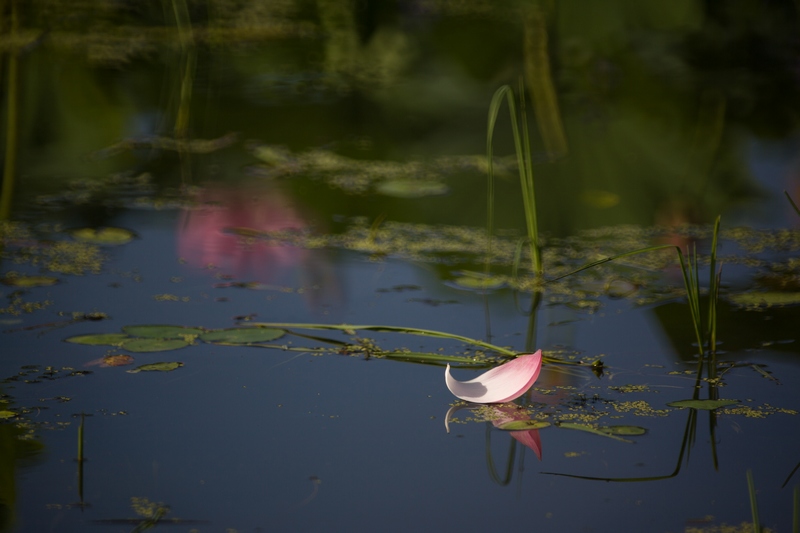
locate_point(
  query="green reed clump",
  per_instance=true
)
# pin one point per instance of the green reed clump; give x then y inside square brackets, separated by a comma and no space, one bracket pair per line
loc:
[706,334]
[522,148]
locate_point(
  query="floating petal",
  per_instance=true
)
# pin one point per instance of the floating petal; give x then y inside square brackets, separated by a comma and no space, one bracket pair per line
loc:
[504,383]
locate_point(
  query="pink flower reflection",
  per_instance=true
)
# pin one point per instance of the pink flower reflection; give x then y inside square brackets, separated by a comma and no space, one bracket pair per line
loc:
[528,437]
[503,414]
[205,238]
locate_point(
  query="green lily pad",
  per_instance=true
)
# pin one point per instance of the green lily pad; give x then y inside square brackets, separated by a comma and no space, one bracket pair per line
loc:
[707,405]
[153,345]
[625,430]
[408,188]
[272,155]
[6,414]
[476,281]
[110,236]
[157,367]
[242,335]
[521,425]
[765,299]
[29,281]
[602,431]
[161,331]
[101,339]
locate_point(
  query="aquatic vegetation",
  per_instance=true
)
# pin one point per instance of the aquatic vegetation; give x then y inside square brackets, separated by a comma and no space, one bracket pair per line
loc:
[99,339]
[13,279]
[153,345]
[706,405]
[242,335]
[410,188]
[112,361]
[162,331]
[501,384]
[612,432]
[103,236]
[522,147]
[403,179]
[157,367]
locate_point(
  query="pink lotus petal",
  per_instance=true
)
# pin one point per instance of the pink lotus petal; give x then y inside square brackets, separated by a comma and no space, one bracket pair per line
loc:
[504,383]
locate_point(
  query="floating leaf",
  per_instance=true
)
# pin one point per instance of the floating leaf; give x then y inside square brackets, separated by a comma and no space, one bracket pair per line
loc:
[157,367]
[153,345]
[101,339]
[408,188]
[479,283]
[117,360]
[603,432]
[242,335]
[625,430]
[109,236]
[29,281]
[161,331]
[6,414]
[765,299]
[520,425]
[708,405]
[476,281]
[272,155]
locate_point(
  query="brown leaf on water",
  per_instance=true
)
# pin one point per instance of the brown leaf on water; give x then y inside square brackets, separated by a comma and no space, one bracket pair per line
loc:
[117,360]
[111,360]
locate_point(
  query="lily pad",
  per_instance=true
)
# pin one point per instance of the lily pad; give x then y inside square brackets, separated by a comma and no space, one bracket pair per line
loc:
[521,425]
[157,367]
[476,281]
[408,188]
[153,345]
[625,430]
[106,236]
[707,405]
[242,335]
[272,155]
[602,431]
[6,414]
[29,281]
[101,339]
[161,331]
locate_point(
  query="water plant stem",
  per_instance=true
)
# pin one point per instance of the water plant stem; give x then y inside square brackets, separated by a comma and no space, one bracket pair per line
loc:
[522,150]
[794,205]
[421,357]
[10,163]
[690,271]
[396,329]
[751,487]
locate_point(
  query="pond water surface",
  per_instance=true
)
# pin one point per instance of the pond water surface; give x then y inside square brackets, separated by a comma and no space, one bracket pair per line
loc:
[216,165]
